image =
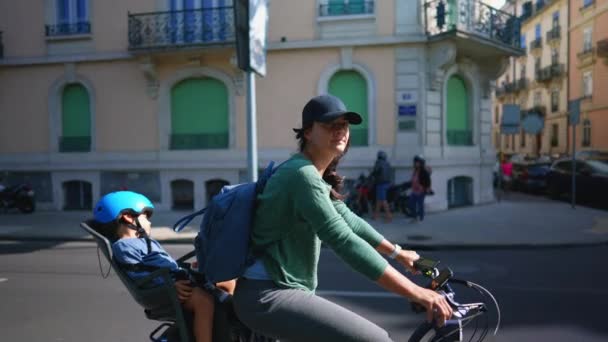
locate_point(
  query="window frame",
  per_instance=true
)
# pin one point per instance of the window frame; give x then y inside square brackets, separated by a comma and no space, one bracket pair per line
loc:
[587,84]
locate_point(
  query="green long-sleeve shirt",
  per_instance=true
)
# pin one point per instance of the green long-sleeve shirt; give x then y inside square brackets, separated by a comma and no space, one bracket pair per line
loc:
[294,214]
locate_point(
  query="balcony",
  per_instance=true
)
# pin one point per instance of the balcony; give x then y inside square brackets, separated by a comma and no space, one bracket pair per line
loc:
[346,8]
[509,87]
[554,34]
[75,144]
[522,84]
[536,44]
[602,47]
[478,30]
[68,29]
[540,110]
[181,29]
[557,70]
[543,75]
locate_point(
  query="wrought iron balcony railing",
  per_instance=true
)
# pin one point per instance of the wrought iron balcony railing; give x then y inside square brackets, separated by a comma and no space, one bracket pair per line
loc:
[509,87]
[352,7]
[198,141]
[522,84]
[557,70]
[472,17]
[554,34]
[460,137]
[587,51]
[536,44]
[75,144]
[602,47]
[172,29]
[543,75]
[68,29]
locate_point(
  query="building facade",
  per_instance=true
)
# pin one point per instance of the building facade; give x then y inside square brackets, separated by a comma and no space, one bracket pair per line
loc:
[588,74]
[98,96]
[537,81]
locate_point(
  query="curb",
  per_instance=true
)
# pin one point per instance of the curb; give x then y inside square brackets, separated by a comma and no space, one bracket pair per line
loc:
[414,246]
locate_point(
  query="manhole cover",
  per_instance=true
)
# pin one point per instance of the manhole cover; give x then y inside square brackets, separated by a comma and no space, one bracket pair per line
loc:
[418,237]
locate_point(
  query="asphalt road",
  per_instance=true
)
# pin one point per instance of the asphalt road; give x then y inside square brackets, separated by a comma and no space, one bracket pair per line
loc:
[54,292]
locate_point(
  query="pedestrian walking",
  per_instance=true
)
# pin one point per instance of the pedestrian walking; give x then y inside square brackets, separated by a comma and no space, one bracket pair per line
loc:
[382,181]
[421,186]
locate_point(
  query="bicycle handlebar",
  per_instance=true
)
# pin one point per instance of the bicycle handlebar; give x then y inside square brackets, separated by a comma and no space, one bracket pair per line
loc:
[463,313]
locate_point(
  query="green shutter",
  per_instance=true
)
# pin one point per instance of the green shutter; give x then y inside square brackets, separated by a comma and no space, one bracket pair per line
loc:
[199,115]
[75,119]
[351,88]
[458,123]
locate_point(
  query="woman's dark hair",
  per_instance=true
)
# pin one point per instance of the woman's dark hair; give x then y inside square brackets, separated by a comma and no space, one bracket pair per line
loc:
[330,175]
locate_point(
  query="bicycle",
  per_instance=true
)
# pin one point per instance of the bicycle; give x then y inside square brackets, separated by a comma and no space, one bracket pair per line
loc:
[463,314]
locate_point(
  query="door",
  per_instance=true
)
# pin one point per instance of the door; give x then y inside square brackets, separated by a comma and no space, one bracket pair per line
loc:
[77,195]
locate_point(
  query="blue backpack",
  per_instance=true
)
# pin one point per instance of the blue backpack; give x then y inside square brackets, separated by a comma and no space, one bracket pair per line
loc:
[222,244]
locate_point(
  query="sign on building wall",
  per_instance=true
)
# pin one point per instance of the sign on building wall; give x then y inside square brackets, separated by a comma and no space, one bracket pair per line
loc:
[510,119]
[251,26]
[574,109]
[407,109]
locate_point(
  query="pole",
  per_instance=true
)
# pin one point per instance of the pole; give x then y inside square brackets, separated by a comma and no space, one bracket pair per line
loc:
[252,140]
[574,166]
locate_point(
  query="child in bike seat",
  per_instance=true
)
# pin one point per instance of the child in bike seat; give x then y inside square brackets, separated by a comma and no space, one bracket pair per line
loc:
[124,218]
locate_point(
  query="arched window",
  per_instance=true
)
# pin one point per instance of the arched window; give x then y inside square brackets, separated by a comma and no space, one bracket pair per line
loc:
[75,119]
[459,130]
[587,132]
[199,115]
[351,88]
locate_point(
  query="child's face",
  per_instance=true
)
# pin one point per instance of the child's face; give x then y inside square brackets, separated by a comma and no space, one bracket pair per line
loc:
[145,223]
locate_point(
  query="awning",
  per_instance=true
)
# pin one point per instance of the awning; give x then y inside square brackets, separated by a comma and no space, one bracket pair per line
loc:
[510,119]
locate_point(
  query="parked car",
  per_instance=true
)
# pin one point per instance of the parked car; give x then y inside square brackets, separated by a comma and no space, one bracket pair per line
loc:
[591,180]
[593,154]
[531,176]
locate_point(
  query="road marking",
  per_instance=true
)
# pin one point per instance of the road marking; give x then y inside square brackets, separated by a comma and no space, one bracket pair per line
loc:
[2,280]
[600,226]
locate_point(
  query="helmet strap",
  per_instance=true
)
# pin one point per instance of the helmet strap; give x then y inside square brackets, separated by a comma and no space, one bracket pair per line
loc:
[141,232]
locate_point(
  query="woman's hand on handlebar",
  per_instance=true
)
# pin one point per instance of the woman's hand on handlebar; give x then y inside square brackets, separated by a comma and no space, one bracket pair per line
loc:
[435,304]
[407,258]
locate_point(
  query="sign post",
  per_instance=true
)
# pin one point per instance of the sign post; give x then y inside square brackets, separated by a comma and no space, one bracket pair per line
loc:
[250,23]
[574,107]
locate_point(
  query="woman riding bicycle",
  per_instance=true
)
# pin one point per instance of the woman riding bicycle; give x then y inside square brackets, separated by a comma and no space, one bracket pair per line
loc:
[300,208]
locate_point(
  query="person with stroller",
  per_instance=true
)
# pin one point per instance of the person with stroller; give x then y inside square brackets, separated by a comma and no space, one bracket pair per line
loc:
[123,217]
[421,186]
[301,207]
[382,181]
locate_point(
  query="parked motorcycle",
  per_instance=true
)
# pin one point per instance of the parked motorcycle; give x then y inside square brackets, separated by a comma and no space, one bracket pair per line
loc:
[20,197]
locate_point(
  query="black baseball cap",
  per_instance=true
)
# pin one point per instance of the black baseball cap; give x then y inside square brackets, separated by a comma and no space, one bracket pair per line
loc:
[326,108]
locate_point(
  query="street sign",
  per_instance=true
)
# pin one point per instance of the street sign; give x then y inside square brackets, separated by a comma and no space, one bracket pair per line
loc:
[251,26]
[407,110]
[532,123]
[510,119]
[409,96]
[574,109]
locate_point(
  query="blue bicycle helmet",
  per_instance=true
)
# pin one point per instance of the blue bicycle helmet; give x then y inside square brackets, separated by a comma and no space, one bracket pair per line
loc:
[113,204]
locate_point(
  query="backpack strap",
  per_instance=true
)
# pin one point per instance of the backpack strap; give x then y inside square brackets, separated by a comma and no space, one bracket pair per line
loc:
[182,222]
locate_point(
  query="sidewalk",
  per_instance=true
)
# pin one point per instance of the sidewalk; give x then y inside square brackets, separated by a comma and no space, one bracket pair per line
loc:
[518,221]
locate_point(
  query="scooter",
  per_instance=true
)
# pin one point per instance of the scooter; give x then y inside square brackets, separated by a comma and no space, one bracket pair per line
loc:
[21,197]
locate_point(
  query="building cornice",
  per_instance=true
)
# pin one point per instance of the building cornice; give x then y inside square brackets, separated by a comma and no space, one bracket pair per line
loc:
[365,41]
[60,59]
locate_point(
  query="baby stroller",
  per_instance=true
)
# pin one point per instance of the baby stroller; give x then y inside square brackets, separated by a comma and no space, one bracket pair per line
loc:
[160,303]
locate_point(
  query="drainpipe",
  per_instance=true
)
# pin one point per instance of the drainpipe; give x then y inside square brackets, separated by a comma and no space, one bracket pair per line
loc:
[568,79]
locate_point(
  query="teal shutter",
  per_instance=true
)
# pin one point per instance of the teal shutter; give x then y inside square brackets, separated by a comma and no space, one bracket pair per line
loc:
[351,88]
[458,123]
[75,119]
[199,115]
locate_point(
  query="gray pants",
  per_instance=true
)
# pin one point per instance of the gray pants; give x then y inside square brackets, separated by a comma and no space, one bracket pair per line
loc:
[297,315]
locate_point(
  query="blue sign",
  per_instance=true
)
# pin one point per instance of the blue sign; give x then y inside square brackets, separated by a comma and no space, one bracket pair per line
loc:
[407,110]
[574,107]
[510,119]
[532,124]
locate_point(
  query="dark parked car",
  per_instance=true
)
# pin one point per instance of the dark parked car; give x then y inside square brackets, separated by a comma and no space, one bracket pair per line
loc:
[531,176]
[591,180]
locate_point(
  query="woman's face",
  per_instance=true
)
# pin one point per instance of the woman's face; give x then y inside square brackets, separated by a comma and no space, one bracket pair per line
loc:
[330,137]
